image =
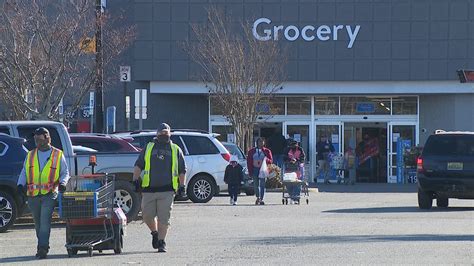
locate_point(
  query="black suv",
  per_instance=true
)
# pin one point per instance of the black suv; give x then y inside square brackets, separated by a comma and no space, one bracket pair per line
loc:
[12,156]
[446,168]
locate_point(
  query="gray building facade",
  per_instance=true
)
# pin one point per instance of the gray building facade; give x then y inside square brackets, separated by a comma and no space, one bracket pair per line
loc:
[387,68]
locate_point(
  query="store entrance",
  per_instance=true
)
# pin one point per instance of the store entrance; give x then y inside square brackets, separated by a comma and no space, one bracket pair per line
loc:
[369,141]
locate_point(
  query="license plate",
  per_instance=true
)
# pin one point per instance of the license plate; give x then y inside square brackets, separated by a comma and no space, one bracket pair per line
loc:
[455,166]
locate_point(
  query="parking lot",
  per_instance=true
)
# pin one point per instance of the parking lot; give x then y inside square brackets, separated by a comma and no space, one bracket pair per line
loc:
[341,225]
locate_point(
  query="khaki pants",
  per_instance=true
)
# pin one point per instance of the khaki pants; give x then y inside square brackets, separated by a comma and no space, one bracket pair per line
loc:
[157,204]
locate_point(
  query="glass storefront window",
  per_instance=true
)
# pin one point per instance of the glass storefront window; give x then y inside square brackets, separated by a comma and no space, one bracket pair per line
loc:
[272,106]
[298,106]
[224,132]
[405,105]
[216,108]
[326,105]
[365,106]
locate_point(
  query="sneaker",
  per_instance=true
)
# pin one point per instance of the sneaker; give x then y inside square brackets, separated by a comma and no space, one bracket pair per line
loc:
[161,246]
[261,202]
[42,253]
[154,239]
[257,202]
[234,203]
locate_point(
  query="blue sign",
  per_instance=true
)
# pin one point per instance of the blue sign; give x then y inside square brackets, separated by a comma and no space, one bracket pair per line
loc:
[262,108]
[365,107]
[402,145]
[111,111]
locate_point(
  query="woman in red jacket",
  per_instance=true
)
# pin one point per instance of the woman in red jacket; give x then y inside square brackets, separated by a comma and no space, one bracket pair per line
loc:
[255,157]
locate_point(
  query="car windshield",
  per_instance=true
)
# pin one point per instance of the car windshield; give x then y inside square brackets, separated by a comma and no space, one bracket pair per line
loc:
[234,150]
[449,145]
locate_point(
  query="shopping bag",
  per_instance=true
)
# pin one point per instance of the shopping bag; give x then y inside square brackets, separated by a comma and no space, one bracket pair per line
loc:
[264,171]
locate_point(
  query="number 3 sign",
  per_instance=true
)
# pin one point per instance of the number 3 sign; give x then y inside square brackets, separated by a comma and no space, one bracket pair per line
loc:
[125,74]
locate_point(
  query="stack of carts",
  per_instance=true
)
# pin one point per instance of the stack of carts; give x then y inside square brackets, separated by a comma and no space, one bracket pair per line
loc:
[91,221]
[336,162]
[294,177]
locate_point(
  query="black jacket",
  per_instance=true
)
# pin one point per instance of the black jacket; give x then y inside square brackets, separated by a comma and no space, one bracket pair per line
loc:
[233,175]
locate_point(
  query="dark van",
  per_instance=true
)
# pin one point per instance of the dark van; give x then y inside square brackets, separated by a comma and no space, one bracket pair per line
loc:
[446,168]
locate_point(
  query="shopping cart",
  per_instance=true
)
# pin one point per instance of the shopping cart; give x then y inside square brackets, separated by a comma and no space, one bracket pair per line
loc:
[91,221]
[293,176]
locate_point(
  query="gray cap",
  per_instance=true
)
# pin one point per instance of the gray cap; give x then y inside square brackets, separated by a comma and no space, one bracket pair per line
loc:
[163,127]
[41,131]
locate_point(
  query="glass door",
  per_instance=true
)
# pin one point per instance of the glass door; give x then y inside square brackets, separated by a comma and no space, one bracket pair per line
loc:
[299,131]
[400,134]
[332,131]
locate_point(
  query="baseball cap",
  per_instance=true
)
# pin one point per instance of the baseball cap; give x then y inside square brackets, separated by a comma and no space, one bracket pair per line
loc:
[163,127]
[41,131]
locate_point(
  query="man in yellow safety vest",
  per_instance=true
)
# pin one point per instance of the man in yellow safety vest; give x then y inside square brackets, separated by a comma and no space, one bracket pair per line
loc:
[164,170]
[44,172]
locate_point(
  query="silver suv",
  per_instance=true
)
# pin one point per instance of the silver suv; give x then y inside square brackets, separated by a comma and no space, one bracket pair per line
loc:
[206,159]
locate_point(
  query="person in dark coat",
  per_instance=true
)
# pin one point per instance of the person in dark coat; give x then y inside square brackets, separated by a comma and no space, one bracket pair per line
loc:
[233,177]
[277,144]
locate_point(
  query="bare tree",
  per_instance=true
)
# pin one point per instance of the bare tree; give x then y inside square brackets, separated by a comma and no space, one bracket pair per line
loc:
[240,71]
[47,54]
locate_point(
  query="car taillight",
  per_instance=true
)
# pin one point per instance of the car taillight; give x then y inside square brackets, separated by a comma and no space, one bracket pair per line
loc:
[419,164]
[226,156]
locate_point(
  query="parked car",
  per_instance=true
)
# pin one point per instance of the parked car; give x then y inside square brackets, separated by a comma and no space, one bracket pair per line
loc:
[102,142]
[247,187]
[12,156]
[82,149]
[206,159]
[118,163]
[445,168]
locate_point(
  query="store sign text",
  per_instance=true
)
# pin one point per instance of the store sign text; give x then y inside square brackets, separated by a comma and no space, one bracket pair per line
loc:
[308,33]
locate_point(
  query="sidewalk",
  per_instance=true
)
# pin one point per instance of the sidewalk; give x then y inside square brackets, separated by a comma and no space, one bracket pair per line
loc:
[365,188]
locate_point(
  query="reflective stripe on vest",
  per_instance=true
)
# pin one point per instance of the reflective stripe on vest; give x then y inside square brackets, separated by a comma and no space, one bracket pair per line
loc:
[46,181]
[174,165]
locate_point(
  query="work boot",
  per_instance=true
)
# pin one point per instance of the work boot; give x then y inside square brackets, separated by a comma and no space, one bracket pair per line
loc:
[154,239]
[42,252]
[161,246]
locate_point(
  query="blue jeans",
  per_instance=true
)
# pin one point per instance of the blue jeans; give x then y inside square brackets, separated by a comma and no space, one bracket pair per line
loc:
[42,208]
[258,184]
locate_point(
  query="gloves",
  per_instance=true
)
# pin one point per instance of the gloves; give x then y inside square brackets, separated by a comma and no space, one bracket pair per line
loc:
[138,185]
[62,188]
[182,191]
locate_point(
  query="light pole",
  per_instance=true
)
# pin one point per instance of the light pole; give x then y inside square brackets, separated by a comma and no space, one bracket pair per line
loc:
[99,93]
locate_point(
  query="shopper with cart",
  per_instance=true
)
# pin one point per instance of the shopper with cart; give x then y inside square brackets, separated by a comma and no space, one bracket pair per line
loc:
[45,172]
[294,162]
[164,168]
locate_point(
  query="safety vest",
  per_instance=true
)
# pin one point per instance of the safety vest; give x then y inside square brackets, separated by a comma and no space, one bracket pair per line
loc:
[174,165]
[48,179]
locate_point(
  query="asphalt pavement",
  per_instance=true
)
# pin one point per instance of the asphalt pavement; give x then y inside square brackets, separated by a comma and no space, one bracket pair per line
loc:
[341,225]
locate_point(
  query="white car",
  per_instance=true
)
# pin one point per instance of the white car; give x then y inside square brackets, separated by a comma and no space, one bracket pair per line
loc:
[206,159]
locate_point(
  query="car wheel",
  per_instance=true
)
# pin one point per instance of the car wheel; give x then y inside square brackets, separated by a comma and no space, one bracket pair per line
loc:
[201,189]
[249,192]
[442,202]
[8,211]
[126,198]
[425,200]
